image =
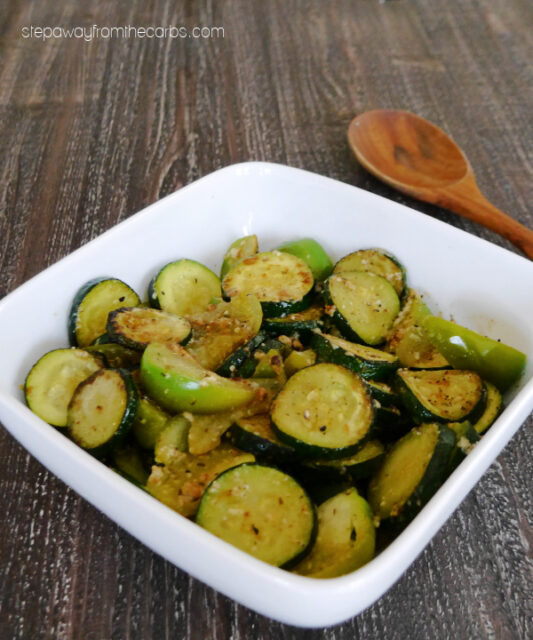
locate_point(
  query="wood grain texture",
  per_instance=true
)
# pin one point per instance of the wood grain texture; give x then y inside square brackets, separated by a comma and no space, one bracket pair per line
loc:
[419,159]
[91,132]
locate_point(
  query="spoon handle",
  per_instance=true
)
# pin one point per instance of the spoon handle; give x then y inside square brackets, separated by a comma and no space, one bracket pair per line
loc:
[466,199]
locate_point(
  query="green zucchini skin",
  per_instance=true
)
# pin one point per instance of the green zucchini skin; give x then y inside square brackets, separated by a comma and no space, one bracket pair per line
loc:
[351,469]
[242,363]
[312,452]
[322,486]
[303,324]
[123,428]
[493,408]
[338,320]
[251,477]
[129,464]
[286,307]
[434,475]
[73,315]
[105,338]
[465,439]
[77,305]
[361,470]
[390,424]
[330,349]
[260,441]
[320,477]
[421,414]
[383,393]
[151,294]
[115,356]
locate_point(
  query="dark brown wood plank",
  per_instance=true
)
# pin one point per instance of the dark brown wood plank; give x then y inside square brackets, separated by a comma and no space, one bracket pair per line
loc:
[91,132]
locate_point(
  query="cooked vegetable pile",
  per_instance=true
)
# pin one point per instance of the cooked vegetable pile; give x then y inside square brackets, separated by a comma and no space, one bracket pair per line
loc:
[301,411]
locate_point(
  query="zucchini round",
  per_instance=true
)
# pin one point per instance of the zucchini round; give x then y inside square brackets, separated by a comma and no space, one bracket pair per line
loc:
[282,282]
[51,382]
[324,411]
[262,511]
[369,363]
[447,395]
[362,305]
[184,287]
[412,471]
[375,261]
[91,306]
[137,327]
[102,411]
[346,538]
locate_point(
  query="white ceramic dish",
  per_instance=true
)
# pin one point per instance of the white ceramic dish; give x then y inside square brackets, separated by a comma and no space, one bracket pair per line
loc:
[479,284]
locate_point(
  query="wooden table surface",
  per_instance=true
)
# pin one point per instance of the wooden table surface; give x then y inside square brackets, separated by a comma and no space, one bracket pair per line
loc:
[93,131]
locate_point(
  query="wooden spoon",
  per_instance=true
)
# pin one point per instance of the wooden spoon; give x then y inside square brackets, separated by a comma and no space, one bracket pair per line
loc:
[418,158]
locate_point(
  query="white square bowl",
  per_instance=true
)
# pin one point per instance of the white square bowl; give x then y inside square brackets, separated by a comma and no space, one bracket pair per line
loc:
[479,284]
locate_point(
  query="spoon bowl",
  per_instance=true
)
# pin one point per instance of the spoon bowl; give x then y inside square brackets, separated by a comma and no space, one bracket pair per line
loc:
[418,158]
